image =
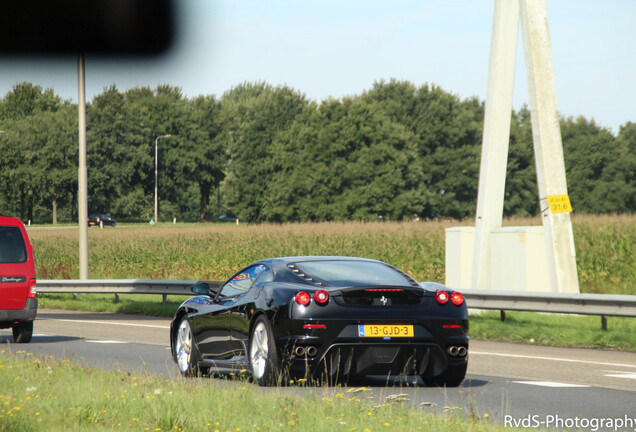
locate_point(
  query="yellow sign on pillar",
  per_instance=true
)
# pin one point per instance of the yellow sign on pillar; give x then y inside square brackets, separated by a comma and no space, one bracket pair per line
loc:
[559,204]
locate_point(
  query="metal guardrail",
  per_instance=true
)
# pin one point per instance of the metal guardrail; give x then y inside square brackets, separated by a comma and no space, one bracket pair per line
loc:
[583,304]
[603,305]
[120,286]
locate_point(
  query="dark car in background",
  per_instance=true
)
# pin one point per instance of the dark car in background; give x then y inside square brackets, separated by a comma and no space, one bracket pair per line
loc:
[18,292]
[229,218]
[101,219]
[328,318]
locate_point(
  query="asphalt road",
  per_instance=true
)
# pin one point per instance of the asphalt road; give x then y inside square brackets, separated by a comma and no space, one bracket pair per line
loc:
[511,383]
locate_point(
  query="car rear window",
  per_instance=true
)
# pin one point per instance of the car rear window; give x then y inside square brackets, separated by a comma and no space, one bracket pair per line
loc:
[12,247]
[353,273]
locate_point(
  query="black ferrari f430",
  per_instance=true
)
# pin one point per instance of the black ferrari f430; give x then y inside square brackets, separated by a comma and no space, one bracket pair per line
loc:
[328,318]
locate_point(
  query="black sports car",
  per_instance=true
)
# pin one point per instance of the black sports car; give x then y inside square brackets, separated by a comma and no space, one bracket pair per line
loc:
[329,318]
[97,219]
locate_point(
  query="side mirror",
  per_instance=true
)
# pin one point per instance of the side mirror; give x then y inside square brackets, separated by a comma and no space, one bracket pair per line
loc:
[202,288]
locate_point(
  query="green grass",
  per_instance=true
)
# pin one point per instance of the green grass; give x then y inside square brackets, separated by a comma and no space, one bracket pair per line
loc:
[43,394]
[555,330]
[140,304]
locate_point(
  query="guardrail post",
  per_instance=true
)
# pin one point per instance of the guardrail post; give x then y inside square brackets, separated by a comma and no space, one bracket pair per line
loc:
[165,299]
[116,298]
[502,316]
[603,322]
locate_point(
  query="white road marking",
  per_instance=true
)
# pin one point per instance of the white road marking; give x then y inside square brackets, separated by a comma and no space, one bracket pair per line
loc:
[106,341]
[553,359]
[549,384]
[621,374]
[105,323]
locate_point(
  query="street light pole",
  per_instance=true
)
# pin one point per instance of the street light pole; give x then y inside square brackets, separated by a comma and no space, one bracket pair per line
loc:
[157,175]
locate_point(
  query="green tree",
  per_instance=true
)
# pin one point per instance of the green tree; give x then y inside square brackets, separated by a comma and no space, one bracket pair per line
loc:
[521,195]
[31,146]
[588,149]
[618,187]
[253,115]
[202,151]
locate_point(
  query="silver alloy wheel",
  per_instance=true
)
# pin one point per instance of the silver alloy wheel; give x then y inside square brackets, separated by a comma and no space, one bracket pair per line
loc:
[183,346]
[259,350]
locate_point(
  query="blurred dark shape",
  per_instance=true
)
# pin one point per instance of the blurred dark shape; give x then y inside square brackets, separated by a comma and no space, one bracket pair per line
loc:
[102,27]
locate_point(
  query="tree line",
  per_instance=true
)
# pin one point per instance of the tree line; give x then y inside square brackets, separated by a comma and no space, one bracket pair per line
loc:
[269,154]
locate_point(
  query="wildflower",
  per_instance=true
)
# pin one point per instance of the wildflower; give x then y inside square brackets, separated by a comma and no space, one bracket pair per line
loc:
[357,390]
[397,398]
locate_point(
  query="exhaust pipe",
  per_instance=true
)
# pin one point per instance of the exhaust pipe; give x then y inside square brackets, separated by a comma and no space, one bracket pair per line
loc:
[311,351]
[299,351]
[457,351]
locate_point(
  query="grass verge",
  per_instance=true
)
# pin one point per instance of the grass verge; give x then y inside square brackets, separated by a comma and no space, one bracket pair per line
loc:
[555,330]
[140,304]
[43,394]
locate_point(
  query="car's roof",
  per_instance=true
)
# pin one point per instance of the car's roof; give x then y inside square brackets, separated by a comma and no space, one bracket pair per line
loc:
[10,220]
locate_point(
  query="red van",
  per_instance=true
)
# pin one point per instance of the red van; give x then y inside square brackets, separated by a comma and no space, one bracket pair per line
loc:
[18,293]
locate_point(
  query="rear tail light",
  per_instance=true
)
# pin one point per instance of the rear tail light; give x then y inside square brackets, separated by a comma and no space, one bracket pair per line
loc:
[314,326]
[321,297]
[303,298]
[451,326]
[441,297]
[33,290]
[457,298]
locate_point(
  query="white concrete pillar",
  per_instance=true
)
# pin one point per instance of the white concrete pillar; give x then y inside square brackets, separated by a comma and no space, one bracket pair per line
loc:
[496,136]
[548,147]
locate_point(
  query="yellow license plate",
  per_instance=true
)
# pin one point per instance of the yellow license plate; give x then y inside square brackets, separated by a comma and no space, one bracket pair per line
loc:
[392,330]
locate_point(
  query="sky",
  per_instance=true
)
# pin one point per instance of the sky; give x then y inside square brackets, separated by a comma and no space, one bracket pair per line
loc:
[337,48]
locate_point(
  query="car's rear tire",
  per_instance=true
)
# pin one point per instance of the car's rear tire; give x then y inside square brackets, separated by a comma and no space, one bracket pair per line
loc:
[186,353]
[263,355]
[23,332]
[451,377]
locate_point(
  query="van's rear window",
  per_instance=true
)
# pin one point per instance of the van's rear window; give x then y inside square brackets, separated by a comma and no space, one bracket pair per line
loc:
[12,247]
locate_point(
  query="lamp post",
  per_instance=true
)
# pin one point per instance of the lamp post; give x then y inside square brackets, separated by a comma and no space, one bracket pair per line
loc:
[157,175]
